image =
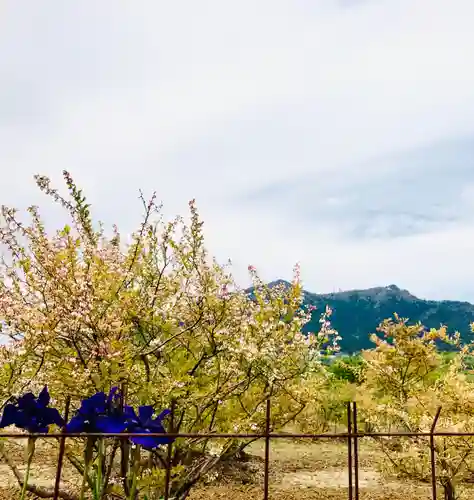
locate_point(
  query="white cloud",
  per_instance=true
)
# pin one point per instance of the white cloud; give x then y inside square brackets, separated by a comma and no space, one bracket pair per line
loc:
[216,100]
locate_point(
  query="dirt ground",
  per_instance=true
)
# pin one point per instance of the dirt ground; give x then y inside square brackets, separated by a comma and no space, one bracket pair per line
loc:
[298,471]
[306,471]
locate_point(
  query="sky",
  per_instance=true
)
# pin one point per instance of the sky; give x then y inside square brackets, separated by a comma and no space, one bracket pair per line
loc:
[334,133]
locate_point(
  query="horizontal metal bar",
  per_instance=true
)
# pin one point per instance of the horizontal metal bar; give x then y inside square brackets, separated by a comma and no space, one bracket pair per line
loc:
[225,435]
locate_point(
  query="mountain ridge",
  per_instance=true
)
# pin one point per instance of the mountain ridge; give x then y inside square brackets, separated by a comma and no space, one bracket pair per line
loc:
[357,313]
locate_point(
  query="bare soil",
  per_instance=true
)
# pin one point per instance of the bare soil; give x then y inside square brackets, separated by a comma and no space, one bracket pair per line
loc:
[306,471]
[298,471]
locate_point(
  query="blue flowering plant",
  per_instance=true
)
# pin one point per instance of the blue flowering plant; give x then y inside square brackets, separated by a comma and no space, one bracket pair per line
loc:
[103,413]
[100,413]
[142,422]
[34,415]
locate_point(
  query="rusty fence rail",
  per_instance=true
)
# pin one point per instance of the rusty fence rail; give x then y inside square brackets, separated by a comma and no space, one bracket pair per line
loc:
[352,436]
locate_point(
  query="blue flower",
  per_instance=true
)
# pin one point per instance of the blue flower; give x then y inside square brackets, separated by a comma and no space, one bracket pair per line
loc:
[99,413]
[31,413]
[144,423]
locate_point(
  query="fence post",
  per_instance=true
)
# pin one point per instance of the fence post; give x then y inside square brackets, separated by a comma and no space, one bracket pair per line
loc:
[267,450]
[356,451]
[170,453]
[62,447]
[124,444]
[349,449]
[433,454]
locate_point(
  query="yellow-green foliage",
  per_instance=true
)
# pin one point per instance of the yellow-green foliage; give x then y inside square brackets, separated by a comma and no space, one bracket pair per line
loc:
[407,379]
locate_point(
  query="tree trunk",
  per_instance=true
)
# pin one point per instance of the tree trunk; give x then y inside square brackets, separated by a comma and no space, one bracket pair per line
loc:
[449,491]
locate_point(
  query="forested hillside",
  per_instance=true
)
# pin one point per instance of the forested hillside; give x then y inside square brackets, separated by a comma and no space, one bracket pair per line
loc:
[357,313]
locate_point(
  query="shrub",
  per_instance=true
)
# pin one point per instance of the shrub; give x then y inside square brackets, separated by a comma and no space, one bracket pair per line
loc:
[406,380]
[86,312]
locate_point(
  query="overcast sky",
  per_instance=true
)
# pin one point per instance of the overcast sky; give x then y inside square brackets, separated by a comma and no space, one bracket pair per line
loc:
[335,133]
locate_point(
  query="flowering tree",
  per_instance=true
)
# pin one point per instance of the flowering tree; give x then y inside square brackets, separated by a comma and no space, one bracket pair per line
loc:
[85,312]
[406,381]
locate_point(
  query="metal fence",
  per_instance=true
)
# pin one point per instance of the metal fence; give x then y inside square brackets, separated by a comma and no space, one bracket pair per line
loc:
[352,437]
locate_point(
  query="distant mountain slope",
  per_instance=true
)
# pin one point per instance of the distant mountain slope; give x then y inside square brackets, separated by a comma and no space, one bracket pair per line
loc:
[357,313]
